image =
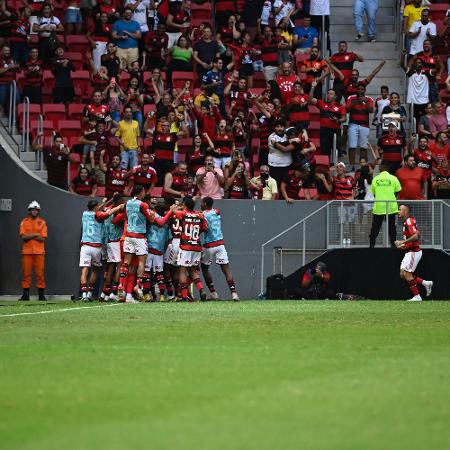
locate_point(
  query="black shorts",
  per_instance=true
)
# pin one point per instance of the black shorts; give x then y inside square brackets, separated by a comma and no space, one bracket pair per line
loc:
[63,94]
[246,70]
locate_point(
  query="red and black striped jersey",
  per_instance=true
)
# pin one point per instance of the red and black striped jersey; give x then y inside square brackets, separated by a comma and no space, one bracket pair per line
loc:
[429,61]
[328,111]
[164,145]
[193,224]
[84,187]
[269,52]
[298,108]
[223,143]
[343,187]
[359,109]
[144,177]
[115,180]
[392,147]
[238,188]
[344,62]
[20,28]
[34,72]
[409,229]
[293,185]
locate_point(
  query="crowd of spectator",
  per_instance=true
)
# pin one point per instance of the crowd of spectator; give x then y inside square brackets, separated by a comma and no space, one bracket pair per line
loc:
[237,104]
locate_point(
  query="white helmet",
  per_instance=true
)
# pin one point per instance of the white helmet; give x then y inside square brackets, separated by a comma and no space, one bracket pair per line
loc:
[34,205]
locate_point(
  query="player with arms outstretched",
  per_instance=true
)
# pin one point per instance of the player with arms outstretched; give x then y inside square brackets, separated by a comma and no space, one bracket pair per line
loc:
[214,250]
[91,244]
[192,225]
[410,244]
[138,214]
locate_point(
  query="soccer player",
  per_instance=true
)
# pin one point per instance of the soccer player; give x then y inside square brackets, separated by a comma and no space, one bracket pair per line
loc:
[114,229]
[91,244]
[410,243]
[135,244]
[157,238]
[193,224]
[214,249]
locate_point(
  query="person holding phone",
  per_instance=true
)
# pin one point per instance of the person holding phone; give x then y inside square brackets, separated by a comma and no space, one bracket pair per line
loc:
[210,180]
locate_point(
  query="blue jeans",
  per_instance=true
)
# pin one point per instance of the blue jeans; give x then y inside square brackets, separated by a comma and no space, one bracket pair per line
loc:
[137,115]
[129,156]
[115,115]
[370,8]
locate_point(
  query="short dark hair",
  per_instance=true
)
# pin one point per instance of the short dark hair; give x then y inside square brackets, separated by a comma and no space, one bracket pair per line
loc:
[208,201]
[92,204]
[384,87]
[189,203]
[137,190]
[406,206]
[385,165]
[406,157]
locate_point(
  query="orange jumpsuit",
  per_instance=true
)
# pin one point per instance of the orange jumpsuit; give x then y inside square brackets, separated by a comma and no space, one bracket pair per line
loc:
[33,251]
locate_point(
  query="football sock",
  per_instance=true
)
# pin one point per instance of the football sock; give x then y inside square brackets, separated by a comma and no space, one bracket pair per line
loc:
[84,289]
[211,287]
[184,291]
[115,288]
[198,284]
[231,285]
[418,280]
[123,274]
[107,290]
[413,287]
[147,282]
[161,283]
[130,283]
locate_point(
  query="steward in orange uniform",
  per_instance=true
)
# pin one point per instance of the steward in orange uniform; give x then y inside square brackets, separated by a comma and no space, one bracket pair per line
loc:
[33,232]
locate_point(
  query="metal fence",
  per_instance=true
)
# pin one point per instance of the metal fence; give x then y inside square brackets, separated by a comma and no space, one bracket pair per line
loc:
[349,223]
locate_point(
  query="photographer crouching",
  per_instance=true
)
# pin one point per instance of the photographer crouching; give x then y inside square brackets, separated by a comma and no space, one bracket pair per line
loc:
[316,283]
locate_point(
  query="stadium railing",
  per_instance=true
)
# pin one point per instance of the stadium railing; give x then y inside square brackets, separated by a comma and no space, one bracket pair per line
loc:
[348,225]
[12,106]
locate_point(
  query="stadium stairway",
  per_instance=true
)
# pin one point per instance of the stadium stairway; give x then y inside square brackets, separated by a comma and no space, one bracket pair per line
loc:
[378,276]
[342,27]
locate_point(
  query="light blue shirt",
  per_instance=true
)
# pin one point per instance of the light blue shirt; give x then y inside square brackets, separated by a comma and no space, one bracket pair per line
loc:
[122,25]
[92,229]
[214,232]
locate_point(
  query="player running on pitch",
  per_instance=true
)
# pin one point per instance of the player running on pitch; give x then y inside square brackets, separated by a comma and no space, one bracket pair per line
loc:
[214,249]
[410,243]
[91,244]
[192,225]
[138,214]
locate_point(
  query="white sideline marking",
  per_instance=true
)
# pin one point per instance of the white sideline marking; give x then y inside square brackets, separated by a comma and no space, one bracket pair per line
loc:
[57,310]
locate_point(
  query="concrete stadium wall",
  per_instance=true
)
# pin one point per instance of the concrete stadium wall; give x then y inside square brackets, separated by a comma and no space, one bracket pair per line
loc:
[247,225]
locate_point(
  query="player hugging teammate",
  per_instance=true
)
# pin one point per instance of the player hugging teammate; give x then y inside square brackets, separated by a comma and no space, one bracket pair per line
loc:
[151,247]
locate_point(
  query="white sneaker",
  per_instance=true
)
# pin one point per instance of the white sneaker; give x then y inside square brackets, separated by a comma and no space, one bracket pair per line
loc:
[139,293]
[113,298]
[235,296]
[428,285]
[213,296]
[129,299]
[416,298]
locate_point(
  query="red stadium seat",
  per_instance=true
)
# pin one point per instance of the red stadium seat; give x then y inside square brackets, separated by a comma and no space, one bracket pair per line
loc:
[184,145]
[76,58]
[54,112]
[47,127]
[69,128]
[259,80]
[322,160]
[75,111]
[156,191]
[47,95]
[438,10]
[81,79]
[76,157]
[74,140]
[179,78]
[148,142]
[101,191]
[78,43]
[20,77]
[35,110]
[202,12]
[48,79]
[124,79]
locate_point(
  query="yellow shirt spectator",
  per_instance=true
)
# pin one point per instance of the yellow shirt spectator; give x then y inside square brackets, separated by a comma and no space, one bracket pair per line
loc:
[203,98]
[412,14]
[128,133]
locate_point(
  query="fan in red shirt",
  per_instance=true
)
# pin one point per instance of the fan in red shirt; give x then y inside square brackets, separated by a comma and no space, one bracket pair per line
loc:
[441,181]
[116,177]
[440,149]
[423,156]
[315,69]
[144,174]
[96,108]
[156,42]
[192,225]
[286,81]
[412,179]
[410,244]
[293,183]
[391,146]
[84,183]
[342,184]
[298,113]
[175,182]
[32,84]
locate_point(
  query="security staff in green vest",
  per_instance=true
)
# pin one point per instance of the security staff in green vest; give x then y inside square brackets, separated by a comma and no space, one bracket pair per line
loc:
[384,187]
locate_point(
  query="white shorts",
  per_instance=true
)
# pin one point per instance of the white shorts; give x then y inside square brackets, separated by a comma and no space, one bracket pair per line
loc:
[171,254]
[104,252]
[113,250]
[187,258]
[410,261]
[90,256]
[135,246]
[155,262]
[218,254]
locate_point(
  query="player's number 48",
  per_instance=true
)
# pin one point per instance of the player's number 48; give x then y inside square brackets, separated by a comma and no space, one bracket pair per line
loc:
[192,231]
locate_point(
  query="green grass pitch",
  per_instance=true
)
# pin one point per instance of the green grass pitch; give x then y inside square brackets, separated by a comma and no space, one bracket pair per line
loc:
[250,375]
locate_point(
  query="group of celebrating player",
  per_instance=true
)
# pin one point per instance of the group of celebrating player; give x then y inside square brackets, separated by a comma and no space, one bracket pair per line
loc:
[154,249]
